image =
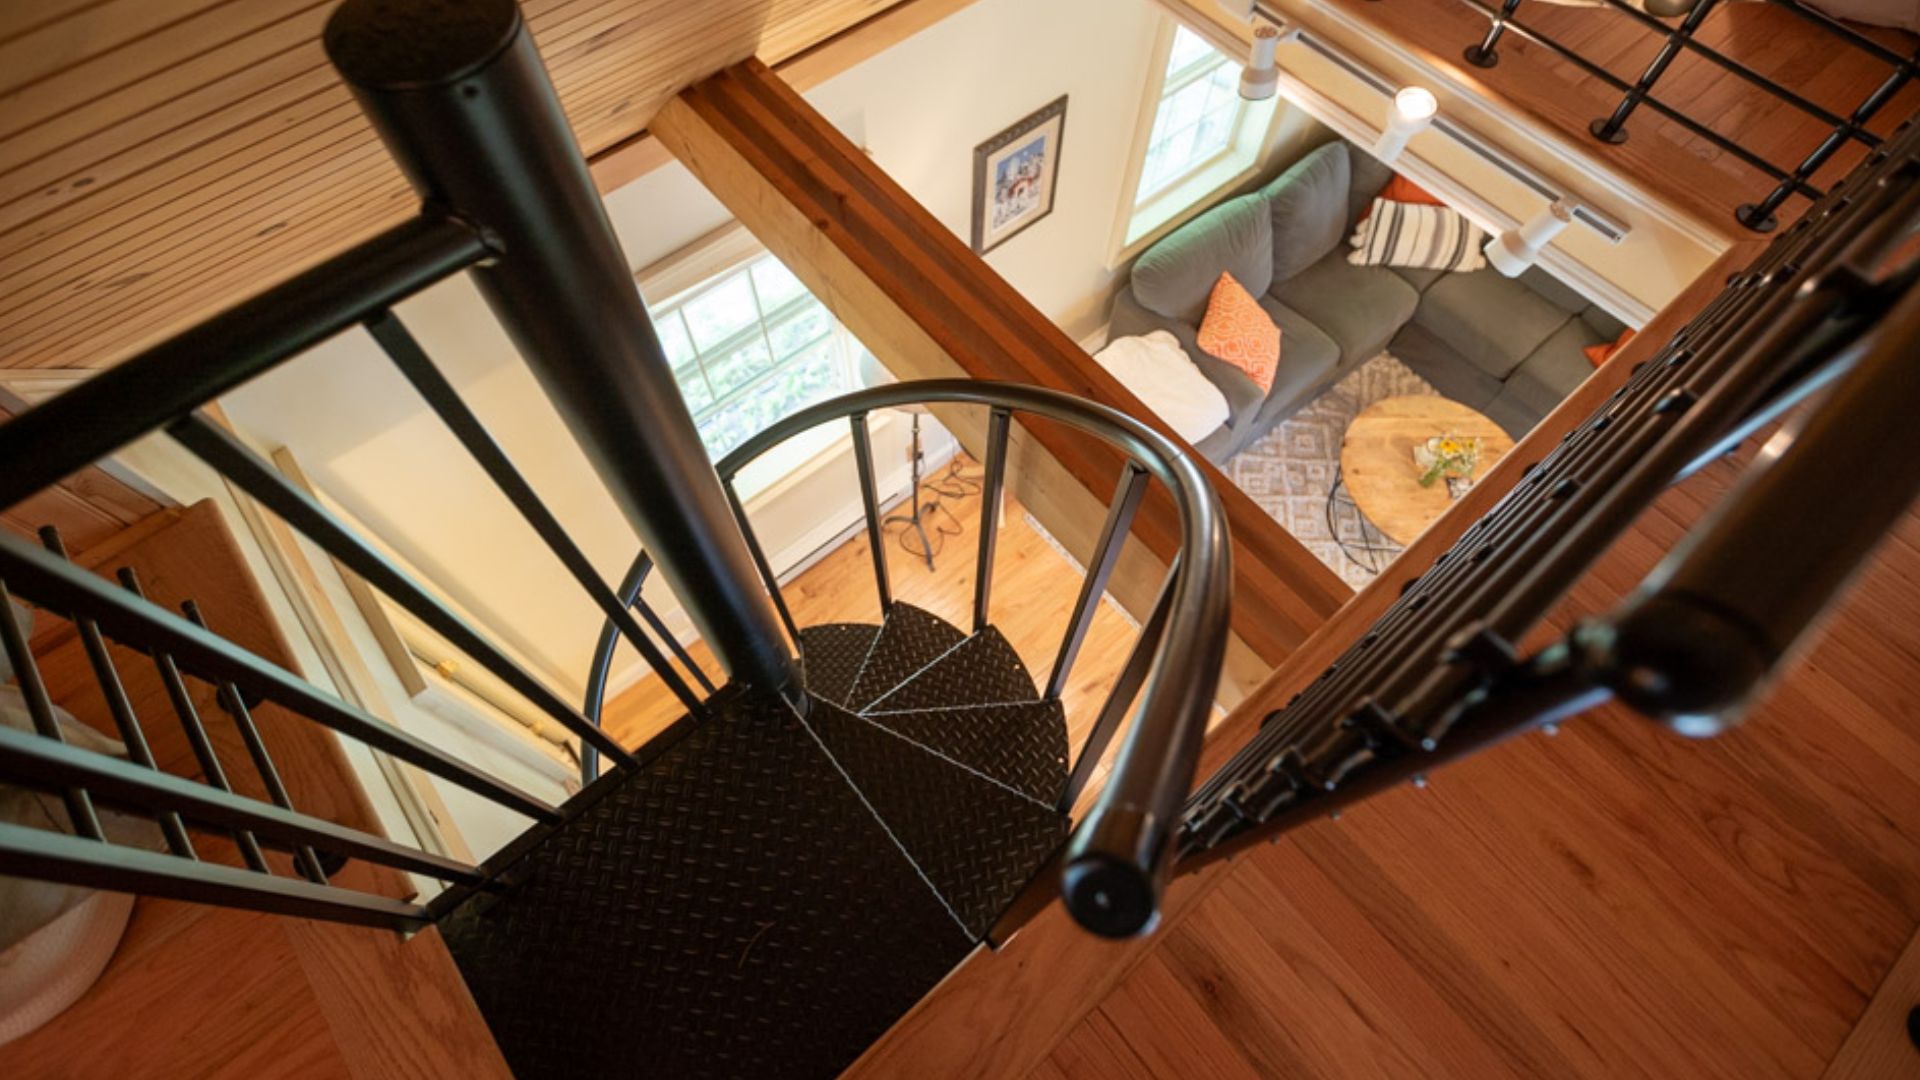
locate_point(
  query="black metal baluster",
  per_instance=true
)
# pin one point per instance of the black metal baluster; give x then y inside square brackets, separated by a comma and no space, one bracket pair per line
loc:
[1484,54]
[118,705]
[400,346]
[991,490]
[231,700]
[203,752]
[1120,699]
[870,502]
[35,762]
[59,585]
[33,690]
[1106,553]
[233,460]
[1612,129]
[760,563]
[1759,216]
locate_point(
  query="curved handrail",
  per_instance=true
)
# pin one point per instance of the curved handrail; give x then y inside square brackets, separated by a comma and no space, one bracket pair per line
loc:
[1116,861]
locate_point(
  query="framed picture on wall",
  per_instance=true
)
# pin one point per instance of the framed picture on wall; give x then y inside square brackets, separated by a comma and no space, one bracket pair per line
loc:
[1014,174]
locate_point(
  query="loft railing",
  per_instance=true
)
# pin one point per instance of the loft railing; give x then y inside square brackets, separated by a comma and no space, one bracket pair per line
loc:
[1115,863]
[1832,309]
[1677,37]
[478,129]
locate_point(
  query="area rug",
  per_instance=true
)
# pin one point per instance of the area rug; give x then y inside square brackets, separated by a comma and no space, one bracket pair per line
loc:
[1290,470]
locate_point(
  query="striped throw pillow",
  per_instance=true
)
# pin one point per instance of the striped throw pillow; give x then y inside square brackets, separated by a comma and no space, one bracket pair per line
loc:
[1426,237]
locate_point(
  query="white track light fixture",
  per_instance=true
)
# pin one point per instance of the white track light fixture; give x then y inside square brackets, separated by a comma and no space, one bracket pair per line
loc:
[1516,249]
[1260,79]
[1412,110]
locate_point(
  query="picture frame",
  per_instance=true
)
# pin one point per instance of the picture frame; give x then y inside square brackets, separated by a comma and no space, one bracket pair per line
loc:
[1015,174]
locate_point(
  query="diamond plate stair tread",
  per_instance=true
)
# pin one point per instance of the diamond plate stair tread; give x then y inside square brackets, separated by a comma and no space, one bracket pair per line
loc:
[909,641]
[834,653]
[977,842]
[983,671]
[1023,746]
[733,910]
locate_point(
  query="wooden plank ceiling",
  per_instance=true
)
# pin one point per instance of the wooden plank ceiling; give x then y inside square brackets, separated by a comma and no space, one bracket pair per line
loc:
[160,159]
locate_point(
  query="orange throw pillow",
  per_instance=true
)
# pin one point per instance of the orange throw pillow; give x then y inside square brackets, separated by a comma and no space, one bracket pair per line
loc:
[1237,330]
[1603,352]
[1401,189]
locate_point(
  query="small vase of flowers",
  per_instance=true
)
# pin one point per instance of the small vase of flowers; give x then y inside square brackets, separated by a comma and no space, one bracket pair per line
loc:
[1452,458]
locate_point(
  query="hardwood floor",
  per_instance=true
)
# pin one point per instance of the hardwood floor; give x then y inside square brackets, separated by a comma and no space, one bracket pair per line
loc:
[1034,586]
[1614,901]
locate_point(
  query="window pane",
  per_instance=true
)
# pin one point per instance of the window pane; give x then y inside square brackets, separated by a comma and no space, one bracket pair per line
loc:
[721,312]
[731,370]
[797,331]
[693,387]
[1187,48]
[812,375]
[673,338]
[1197,116]
[776,283]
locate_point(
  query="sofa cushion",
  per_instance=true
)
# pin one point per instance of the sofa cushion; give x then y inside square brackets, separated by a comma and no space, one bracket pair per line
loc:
[1310,210]
[1175,276]
[1442,366]
[1492,320]
[1555,369]
[1421,280]
[1554,291]
[1367,178]
[1359,307]
[1308,359]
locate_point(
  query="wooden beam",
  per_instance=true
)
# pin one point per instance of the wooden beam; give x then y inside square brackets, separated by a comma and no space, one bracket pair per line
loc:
[1035,991]
[912,292]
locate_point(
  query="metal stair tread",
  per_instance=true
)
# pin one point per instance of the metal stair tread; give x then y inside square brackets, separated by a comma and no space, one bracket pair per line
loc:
[977,842]
[909,640]
[1022,745]
[982,670]
[734,908]
[834,654]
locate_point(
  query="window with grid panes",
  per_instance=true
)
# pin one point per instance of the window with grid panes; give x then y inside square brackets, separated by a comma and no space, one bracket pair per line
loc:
[750,346]
[1199,114]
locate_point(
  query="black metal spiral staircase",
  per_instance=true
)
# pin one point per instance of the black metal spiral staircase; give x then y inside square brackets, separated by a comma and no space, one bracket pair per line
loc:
[779,884]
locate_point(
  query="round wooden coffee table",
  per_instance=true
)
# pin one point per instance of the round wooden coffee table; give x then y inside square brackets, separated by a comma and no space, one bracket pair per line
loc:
[1377,467]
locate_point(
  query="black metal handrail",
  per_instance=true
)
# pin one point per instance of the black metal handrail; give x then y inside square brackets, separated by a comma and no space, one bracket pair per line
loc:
[1790,180]
[1116,860]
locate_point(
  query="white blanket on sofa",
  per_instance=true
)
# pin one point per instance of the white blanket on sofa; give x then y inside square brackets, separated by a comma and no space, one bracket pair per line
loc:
[1161,374]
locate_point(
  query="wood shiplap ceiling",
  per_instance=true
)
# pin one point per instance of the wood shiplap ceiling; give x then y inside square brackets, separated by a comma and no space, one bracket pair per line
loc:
[161,159]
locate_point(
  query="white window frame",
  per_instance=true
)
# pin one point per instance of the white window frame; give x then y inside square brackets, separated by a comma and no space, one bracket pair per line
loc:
[1140,222]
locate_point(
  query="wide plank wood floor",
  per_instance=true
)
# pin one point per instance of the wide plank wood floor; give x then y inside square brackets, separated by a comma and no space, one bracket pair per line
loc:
[1614,901]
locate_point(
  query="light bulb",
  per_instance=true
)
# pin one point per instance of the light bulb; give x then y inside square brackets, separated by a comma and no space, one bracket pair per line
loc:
[1412,110]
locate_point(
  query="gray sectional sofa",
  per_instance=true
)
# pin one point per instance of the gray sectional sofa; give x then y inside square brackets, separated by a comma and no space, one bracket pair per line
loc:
[1508,347]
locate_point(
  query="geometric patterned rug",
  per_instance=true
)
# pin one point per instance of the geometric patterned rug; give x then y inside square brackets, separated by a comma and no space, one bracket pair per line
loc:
[1290,470]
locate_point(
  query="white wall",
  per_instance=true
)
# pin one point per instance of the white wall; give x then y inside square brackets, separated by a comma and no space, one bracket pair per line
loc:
[927,102]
